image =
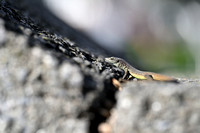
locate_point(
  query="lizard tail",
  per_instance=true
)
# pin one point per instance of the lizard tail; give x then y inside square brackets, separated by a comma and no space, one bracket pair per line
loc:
[160,77]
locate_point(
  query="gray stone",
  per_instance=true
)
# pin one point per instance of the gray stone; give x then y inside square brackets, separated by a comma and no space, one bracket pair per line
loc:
[37,95]
[157,107]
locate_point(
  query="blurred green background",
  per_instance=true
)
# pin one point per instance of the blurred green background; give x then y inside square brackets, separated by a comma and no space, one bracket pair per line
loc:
[155,35]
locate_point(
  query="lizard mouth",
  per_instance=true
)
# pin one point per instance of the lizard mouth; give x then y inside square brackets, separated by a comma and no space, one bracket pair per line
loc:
[108,60]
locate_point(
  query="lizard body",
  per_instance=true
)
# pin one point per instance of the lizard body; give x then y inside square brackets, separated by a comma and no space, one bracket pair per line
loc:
[122,64]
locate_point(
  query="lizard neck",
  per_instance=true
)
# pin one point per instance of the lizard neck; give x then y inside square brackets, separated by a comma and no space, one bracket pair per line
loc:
[124,65]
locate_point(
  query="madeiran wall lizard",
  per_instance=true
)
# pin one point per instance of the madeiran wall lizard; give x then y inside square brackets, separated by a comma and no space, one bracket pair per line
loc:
[143,75]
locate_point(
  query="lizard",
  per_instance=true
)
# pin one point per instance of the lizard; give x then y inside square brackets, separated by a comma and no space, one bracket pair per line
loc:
[142,75]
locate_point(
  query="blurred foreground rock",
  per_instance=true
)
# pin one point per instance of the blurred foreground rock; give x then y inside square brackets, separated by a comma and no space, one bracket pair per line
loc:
[151,107]
[37,94]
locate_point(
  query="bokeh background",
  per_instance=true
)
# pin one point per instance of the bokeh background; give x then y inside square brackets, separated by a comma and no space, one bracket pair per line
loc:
[157,35]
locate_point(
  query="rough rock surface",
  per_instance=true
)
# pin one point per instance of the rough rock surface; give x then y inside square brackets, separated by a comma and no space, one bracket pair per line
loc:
[36,94]
[47,83]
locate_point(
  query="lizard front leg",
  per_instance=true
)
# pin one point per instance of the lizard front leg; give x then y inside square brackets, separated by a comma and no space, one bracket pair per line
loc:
[125,73]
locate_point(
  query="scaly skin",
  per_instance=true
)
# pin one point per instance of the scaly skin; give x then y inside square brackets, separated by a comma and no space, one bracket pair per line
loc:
[122,64]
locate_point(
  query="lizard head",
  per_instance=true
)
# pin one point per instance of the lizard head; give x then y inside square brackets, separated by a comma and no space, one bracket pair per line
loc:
[113,60]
